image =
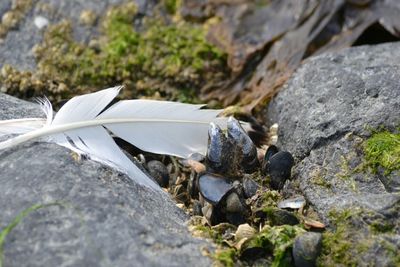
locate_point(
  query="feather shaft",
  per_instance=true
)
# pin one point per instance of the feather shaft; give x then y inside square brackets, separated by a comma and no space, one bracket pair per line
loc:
[54,129]
[20,126]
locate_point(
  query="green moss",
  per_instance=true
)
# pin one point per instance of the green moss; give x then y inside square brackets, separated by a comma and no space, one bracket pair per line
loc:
[318,178]
[276,240]
[6,230]
[346,174]
[172,6]
[166,61]
[383,150]
[392,252]
[338,246]
[226,257]
[208,232]
[381,227]
[270,198]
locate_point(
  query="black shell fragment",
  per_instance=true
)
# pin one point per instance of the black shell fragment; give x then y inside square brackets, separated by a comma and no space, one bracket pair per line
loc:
[214,188]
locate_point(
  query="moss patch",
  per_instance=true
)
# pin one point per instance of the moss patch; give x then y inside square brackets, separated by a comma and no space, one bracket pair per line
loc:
[318,178]
[166,60]
[383,150]
[277,240]
[358,232]
[226,257]
[337,245]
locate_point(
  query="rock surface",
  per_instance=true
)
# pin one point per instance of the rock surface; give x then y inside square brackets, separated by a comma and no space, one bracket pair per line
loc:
[104,218]
[26,35]
[325,112]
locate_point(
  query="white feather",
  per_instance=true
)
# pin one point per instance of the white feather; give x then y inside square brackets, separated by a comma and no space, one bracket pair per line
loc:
[20,126]
[163,127]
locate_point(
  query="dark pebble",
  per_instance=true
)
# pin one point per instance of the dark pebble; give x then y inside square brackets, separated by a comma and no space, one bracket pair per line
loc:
[159,172]
[306,249]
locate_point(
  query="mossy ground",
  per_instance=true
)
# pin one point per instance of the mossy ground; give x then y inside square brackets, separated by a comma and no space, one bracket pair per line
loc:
[164,60]
[345,244]
[382,149]
[273,243]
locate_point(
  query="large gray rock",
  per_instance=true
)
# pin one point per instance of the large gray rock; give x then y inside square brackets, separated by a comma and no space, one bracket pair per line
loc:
[103,217]
[325,112]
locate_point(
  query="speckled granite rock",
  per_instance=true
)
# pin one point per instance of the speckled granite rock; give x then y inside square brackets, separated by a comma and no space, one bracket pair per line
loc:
[105,218]
[325,112]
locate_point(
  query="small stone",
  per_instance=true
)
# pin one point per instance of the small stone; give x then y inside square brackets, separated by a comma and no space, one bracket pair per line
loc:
[250,187]
[306,249]
[159,172]
[180,205]
[244,231]
[40,22]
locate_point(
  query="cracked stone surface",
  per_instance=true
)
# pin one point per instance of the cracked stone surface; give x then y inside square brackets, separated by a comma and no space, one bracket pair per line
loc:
[334,94]
[325,112]
[104,218]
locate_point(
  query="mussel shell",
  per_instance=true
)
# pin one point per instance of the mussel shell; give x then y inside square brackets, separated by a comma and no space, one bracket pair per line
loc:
[192,185]
[217,149]
[278,216]
[214,188]
[235,203]
[272,150]
[292,203]
[279,167]
[250,187]
[239,137]
[235,218]
[213,214]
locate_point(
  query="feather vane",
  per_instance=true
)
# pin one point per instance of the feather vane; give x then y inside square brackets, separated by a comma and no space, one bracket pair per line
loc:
[84,125]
